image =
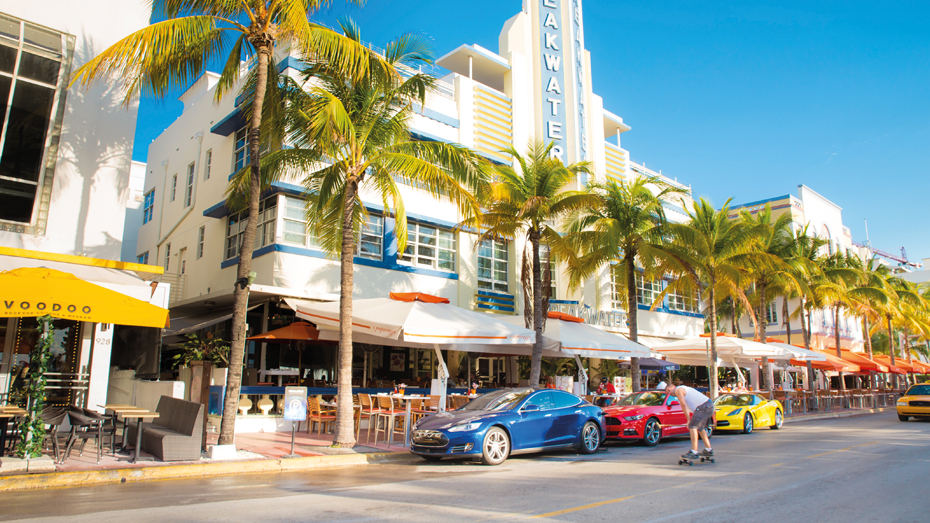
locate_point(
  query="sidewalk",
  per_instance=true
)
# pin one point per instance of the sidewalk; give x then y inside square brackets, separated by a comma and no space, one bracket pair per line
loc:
[260,452]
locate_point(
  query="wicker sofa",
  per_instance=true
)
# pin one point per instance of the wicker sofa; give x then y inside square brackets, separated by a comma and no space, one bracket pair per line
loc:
[176,434]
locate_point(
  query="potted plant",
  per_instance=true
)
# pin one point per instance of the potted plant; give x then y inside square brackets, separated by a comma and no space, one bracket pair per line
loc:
[208,348]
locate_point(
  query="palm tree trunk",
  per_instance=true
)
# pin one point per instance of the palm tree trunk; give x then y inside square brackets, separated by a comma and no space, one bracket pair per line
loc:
[732,316]
[894,379]
[712,376]
[836,339]
[868,345]
[631,315]
[763,322]
[345,425]
[537,311]
[240,289]
[784,312]
[806,334]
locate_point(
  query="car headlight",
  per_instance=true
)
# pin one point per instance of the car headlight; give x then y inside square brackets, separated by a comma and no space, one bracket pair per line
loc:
[735,412]
[465,427]
[633,418]
[902,403]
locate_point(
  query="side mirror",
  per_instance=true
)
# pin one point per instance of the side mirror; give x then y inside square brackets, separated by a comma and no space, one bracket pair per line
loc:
[530,408]
[673,403]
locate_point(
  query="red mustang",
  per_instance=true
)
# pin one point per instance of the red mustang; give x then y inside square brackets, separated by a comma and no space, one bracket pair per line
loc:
[649,416]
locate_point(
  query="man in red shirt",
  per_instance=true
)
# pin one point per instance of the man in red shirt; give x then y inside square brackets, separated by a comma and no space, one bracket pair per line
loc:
[606,387]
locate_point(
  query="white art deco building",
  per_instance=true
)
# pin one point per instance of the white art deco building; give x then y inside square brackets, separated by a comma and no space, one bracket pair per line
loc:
[536,86]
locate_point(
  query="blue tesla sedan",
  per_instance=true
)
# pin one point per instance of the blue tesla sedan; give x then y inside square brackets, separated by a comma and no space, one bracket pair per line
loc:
[510,421]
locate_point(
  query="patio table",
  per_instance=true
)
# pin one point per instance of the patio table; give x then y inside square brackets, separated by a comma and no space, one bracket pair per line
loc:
[119,409]
[139,415]
[7,414]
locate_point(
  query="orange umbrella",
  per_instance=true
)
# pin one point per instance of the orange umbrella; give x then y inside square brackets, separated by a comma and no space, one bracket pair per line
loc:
[920,367]
[299,331]
[833,363]
[903,366]
[864,363]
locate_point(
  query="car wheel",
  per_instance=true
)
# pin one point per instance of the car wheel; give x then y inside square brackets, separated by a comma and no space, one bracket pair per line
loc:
[496,446]
[779,419]
[590,438]
[747,424]
[432,459]
[652,432]
[709,430]
[903,418]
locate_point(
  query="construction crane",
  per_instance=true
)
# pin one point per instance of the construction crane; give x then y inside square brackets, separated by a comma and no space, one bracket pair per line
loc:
[900,259]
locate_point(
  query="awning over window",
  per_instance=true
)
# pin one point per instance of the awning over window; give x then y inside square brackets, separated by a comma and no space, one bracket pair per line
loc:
[190,324]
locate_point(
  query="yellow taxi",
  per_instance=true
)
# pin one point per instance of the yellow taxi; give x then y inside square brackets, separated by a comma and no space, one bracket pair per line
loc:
[915,402]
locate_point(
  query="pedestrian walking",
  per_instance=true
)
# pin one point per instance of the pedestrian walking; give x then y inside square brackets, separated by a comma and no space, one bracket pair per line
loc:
[699,411]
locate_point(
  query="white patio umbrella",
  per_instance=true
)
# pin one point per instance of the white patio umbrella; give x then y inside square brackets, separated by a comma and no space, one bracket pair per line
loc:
[797,353]
[421,321]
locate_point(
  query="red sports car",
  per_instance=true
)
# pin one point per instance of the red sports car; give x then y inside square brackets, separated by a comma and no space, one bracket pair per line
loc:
[649,416]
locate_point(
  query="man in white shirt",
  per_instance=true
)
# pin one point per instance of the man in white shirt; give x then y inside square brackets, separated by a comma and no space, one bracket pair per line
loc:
[699,412]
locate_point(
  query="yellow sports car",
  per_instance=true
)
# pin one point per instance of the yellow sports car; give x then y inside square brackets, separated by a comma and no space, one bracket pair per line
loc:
[915,402]
[745,412]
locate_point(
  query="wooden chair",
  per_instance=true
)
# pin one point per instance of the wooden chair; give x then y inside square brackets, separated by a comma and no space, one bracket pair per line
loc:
[369,411]
[433,403]
[317,414]
[390,419]
[459,402]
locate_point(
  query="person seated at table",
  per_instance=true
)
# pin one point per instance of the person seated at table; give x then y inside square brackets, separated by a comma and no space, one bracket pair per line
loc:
[741,387]
[606,387]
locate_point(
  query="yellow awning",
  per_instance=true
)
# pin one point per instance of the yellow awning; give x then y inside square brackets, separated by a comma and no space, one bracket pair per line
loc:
[36,291]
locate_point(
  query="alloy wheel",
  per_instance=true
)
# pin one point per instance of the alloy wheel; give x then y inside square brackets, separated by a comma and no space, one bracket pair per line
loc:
[590,437]
[496,447]
[652,432]
[779,419]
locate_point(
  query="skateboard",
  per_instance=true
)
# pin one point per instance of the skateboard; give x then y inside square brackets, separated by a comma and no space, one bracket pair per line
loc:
[690,462]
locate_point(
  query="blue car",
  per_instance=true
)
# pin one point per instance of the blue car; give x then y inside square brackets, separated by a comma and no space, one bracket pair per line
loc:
[510,421]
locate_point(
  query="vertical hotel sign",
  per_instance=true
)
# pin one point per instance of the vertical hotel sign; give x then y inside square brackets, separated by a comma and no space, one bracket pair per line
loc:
[577,53]
[552,44]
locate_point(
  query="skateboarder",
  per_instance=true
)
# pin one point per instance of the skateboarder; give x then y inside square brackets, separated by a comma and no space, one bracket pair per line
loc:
[699,411]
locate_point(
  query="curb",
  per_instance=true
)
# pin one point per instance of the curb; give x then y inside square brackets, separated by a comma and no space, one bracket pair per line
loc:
[834,415]
[193,470]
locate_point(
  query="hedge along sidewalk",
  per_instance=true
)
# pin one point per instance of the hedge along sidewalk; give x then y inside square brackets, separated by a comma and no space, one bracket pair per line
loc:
[192,470]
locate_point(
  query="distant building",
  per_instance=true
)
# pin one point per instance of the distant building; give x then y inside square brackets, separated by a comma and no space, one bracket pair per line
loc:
[824,219]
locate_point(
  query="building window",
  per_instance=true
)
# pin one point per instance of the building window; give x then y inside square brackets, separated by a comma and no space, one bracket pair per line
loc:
[264,233]
[174,186]
[207,164]
[647,289]
[143,258]
[200,238]
[771,313]
[429,247]
[189,190]
[148,207]
[492,265]
[241,150]
[295,224]
[167,256]
[617,296]
[371,238]
[34,65]
[685,301]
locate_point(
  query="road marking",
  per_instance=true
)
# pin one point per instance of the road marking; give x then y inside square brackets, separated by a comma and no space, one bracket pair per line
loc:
[608,502]
[841,450]
[583,507]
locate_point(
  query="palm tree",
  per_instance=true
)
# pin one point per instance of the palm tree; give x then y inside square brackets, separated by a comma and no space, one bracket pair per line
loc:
[871,295]
[626,226]
[184,38]
[900,308]
[713,253]
[774,238]
[350,134]
[833,288]
[527,202]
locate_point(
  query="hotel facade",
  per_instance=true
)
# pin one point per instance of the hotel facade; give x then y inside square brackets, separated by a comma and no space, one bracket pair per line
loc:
[536,86]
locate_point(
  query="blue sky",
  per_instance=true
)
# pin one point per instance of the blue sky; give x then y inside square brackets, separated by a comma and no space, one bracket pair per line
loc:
[738,99]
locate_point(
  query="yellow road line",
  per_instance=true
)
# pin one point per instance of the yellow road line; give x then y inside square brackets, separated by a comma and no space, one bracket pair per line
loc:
[842,450]
[608,502]
[583,507]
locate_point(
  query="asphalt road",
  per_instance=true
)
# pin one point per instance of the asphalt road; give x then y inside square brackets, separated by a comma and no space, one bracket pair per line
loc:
[867,468]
